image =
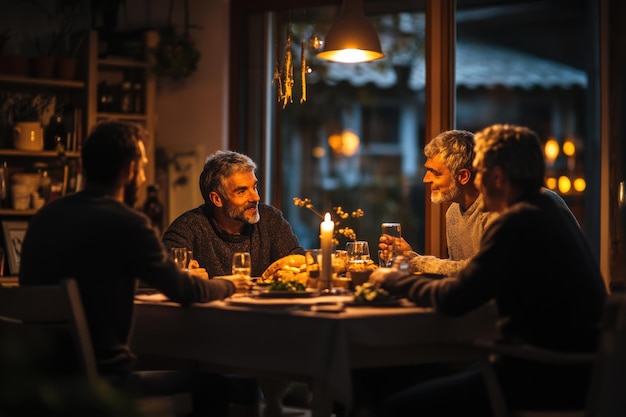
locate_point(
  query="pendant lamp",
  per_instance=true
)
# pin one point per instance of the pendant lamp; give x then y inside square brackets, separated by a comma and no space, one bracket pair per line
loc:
[352,38]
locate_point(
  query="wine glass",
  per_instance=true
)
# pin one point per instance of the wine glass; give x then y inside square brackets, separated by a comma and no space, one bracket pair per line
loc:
[395,231]
[358,254]
[179,255]
[242,264]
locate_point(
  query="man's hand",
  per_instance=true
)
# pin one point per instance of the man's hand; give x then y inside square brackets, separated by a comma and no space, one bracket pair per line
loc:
[387,243]
[194,269]
[242,285]
[199,272]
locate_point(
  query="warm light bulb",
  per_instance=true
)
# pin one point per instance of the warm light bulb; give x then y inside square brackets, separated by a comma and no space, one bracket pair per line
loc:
[351,56]
[319,152]
[315,43]
[551,149]
[349,143]
[580,184]
[565,184]
[551,183]
[334,141]
[569,148]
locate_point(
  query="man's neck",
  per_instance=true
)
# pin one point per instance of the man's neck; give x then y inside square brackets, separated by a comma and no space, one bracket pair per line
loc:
[228,225]
[116,193]
[468,197]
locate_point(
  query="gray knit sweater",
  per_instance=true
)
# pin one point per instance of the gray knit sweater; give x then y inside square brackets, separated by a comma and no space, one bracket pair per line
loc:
[268,240]
[464,229]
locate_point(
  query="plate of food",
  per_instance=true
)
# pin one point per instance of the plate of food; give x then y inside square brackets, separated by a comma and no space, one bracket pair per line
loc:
[291,288]
[268,293]
[368,295]
[376,303]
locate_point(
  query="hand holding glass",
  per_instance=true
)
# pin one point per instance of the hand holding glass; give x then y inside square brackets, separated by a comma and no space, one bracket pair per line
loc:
[242,264]
[394,230]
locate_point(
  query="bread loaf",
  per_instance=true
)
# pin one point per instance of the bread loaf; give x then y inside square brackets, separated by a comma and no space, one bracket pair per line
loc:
[293,264]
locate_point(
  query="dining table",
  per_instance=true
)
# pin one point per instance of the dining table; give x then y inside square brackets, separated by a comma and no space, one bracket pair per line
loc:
[317,339]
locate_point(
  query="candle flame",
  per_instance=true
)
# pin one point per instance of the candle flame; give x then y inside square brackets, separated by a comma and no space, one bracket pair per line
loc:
[327,217]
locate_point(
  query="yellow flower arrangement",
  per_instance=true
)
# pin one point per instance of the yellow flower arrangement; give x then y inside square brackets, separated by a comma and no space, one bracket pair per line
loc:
[340,214]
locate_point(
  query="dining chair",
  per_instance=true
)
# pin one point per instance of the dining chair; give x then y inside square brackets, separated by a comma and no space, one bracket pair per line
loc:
[49,324]
[604,396]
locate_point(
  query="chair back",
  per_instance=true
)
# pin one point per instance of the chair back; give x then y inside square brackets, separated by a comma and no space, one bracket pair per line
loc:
[606,396]
[50,314]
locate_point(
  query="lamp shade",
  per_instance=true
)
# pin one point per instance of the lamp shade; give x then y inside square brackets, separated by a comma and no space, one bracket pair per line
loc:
[352,38]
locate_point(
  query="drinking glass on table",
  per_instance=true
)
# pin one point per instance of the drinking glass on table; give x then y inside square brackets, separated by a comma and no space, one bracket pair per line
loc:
[358,254]
[242,264]
[179,255]
[395,231]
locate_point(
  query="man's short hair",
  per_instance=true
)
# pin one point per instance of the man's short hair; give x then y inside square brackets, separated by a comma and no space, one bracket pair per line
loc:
[456,148]
[517,150]
[109,148]
[218,167]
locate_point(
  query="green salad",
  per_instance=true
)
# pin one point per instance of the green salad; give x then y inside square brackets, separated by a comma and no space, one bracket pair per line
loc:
[287,285]
[369,293]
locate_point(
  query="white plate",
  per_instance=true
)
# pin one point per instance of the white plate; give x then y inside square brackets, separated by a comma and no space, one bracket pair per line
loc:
[287,294]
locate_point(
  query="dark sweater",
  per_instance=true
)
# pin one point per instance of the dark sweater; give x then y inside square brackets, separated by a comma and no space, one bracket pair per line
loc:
[106,246]
[535,262]
[268,240]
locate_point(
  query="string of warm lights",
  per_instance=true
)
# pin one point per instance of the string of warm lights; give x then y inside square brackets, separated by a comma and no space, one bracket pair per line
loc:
[564,184]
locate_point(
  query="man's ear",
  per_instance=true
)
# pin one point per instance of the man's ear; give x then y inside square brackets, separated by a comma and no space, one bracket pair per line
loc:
[215,199]
[498,176]
[464,176]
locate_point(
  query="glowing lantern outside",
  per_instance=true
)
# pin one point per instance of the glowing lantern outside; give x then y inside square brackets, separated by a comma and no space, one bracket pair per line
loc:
[565,184]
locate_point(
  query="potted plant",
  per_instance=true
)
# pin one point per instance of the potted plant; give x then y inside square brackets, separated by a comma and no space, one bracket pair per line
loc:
[24,113]
[176,55]
[57,49]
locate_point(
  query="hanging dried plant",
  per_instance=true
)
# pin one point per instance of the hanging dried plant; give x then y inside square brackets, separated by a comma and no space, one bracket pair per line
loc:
[283,74]
[303,73]
[288,84]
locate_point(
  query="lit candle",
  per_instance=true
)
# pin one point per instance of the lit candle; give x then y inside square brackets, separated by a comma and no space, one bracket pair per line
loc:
[327,228]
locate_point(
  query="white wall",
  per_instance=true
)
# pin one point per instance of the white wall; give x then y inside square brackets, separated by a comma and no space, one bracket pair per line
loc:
[192,113]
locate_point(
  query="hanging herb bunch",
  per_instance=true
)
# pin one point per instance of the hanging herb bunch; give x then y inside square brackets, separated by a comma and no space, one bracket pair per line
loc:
[283,72]
[176,54]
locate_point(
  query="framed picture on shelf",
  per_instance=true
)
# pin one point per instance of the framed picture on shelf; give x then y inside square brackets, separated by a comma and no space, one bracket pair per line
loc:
[14,232]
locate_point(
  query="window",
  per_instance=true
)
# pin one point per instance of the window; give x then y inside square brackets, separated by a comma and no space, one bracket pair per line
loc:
[357,140]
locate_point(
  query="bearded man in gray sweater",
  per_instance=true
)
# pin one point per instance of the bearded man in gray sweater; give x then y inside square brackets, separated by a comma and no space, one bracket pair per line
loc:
[450,174]
[232,219]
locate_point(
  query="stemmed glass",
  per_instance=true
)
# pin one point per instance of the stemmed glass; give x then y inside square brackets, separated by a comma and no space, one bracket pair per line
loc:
[358,254]
[242,264]
[394,230]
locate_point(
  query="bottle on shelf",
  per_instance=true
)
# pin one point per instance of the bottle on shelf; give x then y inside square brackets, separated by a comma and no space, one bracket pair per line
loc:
[4,200]
[127,102]
[56,133]
[138,96]
[153,207]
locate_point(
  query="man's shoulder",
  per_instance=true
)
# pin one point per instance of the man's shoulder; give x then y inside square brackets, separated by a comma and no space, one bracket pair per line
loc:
[191,215]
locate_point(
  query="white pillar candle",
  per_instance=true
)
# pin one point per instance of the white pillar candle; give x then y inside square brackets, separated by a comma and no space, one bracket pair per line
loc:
[327,228]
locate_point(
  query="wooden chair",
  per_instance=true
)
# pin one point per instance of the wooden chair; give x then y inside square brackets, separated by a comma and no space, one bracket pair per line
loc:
[604,397]
[53,318]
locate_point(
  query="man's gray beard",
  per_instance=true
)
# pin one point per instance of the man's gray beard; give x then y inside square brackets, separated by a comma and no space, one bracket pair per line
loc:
[446,196]
[236,214]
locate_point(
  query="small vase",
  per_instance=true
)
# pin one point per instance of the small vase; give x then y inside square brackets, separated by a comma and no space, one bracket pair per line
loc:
[28,136]
[43,66]
[66,68]
[14,64]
